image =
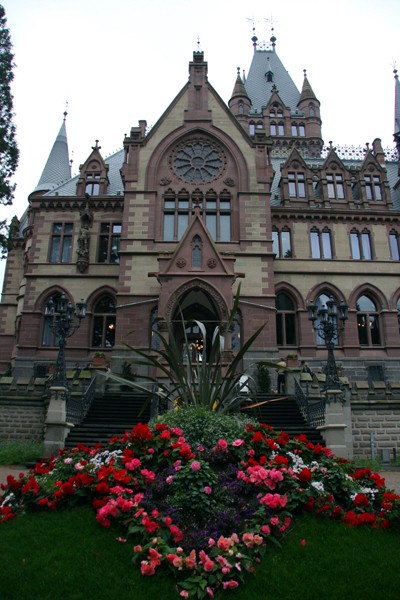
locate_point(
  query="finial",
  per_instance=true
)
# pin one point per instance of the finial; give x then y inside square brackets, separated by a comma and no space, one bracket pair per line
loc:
[254,38]
[305,73]
[96,146]
[66,110]
[238,71]
[198,45]
[272,39]
[395,72]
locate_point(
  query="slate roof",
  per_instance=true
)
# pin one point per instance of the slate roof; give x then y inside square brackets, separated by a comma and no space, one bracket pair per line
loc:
[259,89]
[57,167]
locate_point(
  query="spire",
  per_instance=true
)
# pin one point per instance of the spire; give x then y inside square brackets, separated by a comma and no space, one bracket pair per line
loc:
[306,91]
[239,89]
[57,168]
[396,103]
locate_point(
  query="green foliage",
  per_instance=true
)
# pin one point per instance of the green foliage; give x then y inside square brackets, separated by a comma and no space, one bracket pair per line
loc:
[189,491]
[8,145]
[263,377]
[204,428]
[209,383]
[19,452]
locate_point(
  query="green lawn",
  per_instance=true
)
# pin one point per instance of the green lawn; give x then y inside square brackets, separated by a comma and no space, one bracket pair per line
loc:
[66,555]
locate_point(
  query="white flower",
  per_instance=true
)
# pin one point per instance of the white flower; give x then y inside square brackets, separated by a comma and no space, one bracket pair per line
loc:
[319,486]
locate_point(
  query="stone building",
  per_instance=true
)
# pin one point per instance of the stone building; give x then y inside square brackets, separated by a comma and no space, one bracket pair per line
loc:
[210,196]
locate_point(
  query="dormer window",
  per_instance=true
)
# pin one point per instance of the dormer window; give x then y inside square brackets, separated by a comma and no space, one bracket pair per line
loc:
[269,76]
[92,185]
[335,186]
[373,188]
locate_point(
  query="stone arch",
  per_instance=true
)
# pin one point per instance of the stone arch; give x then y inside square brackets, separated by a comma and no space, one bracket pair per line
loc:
[371,290]
[183,290]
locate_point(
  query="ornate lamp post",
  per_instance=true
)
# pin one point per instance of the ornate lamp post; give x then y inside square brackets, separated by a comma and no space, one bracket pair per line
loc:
[328,321]
[67,320]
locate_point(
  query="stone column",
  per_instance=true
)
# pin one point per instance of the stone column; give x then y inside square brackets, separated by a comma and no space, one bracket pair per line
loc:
[56,424]
[337,430]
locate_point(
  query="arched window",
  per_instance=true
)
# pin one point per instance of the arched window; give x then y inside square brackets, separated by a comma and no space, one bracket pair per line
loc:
[154,340]
[241,108]
[269,76]
[48,336]
[252,128]
[196,252]
[367,322]
[311,109]
[103,331]
[285,320]
[272,128]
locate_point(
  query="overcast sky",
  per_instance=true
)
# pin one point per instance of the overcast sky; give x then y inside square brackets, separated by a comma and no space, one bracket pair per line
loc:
[119,61]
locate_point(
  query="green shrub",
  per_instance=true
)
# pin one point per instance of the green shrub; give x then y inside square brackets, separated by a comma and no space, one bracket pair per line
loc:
[263,377]
[204,428]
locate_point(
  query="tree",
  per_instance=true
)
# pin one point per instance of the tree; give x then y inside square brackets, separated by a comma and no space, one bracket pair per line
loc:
[9,152]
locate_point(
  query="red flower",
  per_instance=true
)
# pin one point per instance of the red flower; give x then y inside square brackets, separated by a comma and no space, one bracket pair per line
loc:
[141,431]
[305,475]
[361,500]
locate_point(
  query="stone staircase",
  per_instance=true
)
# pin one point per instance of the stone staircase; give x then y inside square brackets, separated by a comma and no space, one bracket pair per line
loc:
[110,415]
[283,414]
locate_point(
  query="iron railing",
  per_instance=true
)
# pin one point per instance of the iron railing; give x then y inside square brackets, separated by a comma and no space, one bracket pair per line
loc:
[78,406]
[313,413]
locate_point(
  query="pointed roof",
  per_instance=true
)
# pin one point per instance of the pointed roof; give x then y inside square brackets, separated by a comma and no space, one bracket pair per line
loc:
[239,89]
[259,87]
[57,168]
[396,103]
[307,91]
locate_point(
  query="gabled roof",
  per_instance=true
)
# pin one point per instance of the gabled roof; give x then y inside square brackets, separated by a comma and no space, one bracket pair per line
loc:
[259,89]
[57,168]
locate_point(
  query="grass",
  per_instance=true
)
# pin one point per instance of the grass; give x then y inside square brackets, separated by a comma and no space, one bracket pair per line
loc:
[66,555]
[19,452]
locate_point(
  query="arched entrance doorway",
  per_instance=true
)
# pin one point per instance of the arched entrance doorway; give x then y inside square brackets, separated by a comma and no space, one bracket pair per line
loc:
[195,305]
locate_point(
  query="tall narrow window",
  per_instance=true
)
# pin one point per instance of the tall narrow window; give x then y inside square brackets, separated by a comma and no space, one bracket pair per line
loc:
[335,186]
[61,243]
[281,243]
[373,189]
[367,322]
[321,245]
[103,332]
[297,186]
[92,186]
[360,243]
[110,235]
[281,129]
[196,252]
[394,245]
[285,320]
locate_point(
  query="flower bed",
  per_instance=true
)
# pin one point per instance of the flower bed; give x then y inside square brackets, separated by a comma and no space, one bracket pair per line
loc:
[208,514]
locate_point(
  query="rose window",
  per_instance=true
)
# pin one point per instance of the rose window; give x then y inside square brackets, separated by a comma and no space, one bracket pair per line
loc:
[198,162]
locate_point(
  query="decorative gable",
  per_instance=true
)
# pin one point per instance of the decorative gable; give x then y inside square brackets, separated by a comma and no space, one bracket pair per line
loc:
[93,177]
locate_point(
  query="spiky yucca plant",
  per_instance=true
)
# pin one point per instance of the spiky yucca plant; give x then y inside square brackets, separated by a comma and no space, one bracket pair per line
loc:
[208,383]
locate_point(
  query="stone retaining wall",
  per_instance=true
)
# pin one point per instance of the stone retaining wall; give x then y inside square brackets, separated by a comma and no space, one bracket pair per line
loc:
[382,419]
[22,419]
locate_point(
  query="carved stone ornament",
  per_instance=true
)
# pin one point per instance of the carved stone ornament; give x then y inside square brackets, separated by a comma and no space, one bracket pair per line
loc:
[229,181]
[82,264]
[181,263]
[165,181]
[211,263]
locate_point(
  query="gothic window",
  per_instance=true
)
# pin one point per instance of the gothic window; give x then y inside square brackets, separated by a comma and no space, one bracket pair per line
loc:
[281,243]
[110,235]
[335,186]
[61,243]
[92,185]
[216,210]
[198,161]
[311,110]
[281,129]
[298,129]
[302,130]
[272,113]
[252,128]
[272,128]
[373,189]
[103,328]
[241,108]
[48,336]
[394,242]
[269,76]
[321,243]
[196,252]
[285,320]
[260,125]
[294,130]
[360,243]
[297,186]
[367,322]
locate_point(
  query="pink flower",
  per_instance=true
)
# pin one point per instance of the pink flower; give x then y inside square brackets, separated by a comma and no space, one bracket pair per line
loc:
[207,490]
[210,592]
[169,479]
[184,594]
[147,568]
[208,566]
[222,445]
[137,548]
[238,443]
[303,543]
[266,529]
[195,465]
[133,464]
[229,584]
